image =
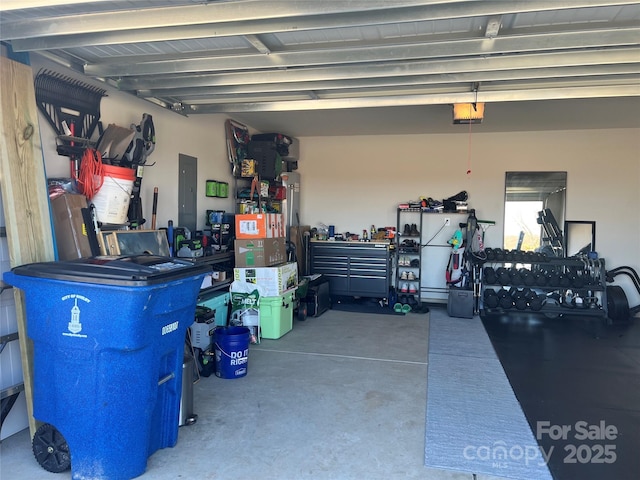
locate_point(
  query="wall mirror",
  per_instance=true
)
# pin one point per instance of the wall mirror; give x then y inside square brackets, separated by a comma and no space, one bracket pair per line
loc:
[527,194]
[580,237]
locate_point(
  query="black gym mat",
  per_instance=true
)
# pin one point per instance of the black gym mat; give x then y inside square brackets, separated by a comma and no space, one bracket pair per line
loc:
[575,377]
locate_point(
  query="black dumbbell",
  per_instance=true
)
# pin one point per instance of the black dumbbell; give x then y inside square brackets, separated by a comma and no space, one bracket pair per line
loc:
[536,303]
[489,275]
[491,299]
[530,294]
[503,276]
[540,278]
[514,274]
[576,278]
[506,301]
[527,277]
[519,300]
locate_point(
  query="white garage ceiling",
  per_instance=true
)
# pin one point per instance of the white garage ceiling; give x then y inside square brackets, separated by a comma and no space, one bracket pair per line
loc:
[350,66]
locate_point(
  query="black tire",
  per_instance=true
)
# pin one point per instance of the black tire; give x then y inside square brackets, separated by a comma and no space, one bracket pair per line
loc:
[51,449]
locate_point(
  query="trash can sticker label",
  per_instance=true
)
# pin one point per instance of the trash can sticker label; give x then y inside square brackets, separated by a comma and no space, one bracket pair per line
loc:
[171,327]
[74,326]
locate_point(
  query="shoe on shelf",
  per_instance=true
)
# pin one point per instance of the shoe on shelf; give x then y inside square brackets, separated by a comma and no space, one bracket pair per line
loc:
[415,263]
[413,288]
[411,276]
[404,288]
[404,276]
[402,261]
[414,230]
[407,229]
[397,307]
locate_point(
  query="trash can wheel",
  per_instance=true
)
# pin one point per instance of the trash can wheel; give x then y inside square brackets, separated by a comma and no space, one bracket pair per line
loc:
[51,449]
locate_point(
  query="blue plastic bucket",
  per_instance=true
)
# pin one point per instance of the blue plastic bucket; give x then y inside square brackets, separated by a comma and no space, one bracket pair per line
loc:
[231,348]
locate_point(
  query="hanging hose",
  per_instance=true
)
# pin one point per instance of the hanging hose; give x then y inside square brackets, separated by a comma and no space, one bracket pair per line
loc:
[91,174]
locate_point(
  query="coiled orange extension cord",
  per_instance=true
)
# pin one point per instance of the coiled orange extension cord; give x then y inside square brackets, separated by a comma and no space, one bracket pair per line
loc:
[91,174]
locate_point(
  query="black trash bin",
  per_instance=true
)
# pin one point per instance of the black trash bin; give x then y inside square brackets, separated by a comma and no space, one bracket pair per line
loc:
[108,336]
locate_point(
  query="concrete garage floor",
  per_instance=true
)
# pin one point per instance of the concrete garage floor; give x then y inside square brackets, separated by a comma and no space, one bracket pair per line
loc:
[341,396]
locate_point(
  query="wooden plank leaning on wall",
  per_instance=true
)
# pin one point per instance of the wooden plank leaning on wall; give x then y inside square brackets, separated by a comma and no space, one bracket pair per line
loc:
[24,193]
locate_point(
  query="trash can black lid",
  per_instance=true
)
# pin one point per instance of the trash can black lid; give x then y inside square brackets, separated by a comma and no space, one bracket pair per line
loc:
[116,270]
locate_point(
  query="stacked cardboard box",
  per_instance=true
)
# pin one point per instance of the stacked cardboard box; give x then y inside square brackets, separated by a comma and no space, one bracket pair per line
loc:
[261,259]
[274,280]
[260,240]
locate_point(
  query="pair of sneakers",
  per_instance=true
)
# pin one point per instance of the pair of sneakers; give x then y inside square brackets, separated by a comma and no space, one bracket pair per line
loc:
[408,288]
[407,275]
[408,262]
[405,304]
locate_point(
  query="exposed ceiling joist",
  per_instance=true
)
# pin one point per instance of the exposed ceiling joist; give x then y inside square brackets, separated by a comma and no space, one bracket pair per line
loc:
[297,55]
[391,69]
[206,21]
[456,48]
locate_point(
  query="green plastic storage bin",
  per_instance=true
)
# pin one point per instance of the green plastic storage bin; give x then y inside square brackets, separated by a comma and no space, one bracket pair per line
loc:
[276,315]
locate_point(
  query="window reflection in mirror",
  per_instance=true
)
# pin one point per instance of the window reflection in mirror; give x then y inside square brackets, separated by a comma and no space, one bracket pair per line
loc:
[527,194]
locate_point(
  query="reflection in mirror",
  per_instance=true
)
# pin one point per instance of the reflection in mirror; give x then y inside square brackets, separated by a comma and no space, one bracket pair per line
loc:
[526,195]
[580,237]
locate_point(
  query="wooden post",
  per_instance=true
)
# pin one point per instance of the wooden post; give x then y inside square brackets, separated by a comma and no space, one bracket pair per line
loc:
[24,193]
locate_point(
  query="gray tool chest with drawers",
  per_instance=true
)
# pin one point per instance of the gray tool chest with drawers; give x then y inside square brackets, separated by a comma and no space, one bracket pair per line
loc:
[358,269]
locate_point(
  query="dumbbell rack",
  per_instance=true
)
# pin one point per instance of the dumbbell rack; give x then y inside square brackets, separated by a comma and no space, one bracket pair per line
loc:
[533,283]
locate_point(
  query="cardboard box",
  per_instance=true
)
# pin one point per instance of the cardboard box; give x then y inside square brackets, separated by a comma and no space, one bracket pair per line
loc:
[260,225]
[260,252]
[68,224]
[274,280]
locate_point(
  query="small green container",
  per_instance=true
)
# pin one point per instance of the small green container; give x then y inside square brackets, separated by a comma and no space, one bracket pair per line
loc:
[212,188]
[223,189]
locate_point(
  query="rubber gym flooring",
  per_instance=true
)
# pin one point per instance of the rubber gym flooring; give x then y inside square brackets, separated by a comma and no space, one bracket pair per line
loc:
[578,382]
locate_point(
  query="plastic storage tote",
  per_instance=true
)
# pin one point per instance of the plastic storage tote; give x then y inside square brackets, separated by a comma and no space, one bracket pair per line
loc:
[108,336]
[219,302]
[276,315]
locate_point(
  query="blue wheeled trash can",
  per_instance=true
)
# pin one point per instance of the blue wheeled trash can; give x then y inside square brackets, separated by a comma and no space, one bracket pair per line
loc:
[108,346]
